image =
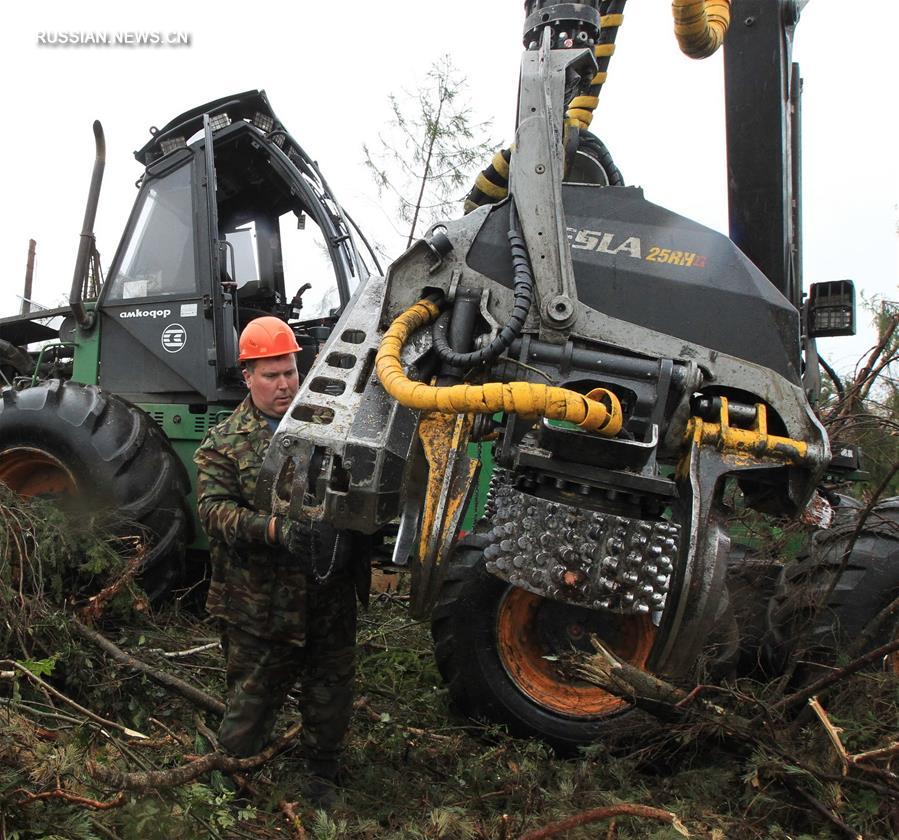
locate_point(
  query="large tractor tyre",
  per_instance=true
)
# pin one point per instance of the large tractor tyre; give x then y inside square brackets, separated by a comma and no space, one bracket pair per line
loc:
[497,648]
[63,439]
[799,624]
[752,579]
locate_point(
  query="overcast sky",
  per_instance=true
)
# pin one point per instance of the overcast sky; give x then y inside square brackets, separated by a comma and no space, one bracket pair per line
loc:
[328,69]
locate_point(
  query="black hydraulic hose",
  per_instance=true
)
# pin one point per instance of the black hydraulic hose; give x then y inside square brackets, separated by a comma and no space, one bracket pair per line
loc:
[524,295]
[460,333]
[834,377]
[593,147]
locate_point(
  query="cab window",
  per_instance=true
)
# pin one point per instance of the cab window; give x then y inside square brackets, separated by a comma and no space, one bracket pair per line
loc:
[158,258]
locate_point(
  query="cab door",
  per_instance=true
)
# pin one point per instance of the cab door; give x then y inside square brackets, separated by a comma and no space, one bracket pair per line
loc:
[167,321]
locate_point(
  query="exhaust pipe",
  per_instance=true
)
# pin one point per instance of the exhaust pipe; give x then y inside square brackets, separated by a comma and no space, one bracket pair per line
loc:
[87,242]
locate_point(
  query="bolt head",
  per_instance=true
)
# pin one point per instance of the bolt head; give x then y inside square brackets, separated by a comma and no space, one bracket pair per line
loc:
[575,631]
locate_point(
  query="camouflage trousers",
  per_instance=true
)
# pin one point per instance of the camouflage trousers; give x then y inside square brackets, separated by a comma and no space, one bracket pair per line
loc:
[260,673]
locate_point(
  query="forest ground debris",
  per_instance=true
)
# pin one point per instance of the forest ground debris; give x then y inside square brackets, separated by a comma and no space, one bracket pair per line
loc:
[413,769]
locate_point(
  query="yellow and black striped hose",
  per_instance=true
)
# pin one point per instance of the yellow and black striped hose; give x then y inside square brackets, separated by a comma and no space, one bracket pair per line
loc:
[700,25]
[581,108]
[492,183]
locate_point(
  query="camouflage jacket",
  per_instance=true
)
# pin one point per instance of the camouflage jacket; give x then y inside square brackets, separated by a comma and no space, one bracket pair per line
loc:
[254,585]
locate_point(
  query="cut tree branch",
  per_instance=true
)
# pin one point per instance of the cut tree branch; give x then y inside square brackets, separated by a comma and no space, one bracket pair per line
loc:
[195,695]
[645,690]
[177,654]
[833,732]
[858,761]
[624,809]
[68,796]
[800,698]
[97,603]
[875,755]
[668,702]
[111,724]
[152,780]
[289,811]
[868,374]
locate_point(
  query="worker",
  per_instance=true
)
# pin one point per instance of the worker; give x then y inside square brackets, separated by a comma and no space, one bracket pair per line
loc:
[284,592]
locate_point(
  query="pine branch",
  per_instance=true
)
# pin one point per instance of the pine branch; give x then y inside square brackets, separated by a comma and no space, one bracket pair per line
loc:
[49,689]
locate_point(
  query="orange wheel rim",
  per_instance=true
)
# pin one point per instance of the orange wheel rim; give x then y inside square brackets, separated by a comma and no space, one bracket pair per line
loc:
[32,472]
[530,628]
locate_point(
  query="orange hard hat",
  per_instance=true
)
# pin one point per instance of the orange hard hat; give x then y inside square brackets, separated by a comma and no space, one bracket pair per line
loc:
[266,337]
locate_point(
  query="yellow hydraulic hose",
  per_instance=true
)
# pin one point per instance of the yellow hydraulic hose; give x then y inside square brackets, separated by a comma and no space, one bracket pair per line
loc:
[600,413]
[700,25]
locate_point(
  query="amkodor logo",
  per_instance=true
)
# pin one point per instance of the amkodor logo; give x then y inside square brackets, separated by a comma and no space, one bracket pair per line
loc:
[146,313]
[174,337]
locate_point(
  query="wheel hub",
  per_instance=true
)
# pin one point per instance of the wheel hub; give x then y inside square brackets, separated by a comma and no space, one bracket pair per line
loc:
[575,632]
[534,634]
[29,472]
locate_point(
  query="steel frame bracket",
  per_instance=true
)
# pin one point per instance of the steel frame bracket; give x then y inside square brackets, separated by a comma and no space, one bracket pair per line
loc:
[535,179]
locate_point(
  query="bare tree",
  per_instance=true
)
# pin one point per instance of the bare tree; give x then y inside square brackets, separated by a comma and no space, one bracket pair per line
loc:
[429,149]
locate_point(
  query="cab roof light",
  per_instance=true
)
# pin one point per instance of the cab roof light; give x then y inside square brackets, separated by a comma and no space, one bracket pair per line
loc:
[219,121]
[171,144]
[263,122]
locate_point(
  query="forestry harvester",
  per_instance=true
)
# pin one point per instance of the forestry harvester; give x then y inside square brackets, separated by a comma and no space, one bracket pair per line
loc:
[616,368]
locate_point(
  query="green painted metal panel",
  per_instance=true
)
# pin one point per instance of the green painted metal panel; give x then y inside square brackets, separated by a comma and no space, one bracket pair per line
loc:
[86,366]
[185,430]
[482,452]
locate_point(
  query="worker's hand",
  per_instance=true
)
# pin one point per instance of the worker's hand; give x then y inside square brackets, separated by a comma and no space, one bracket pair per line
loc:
[301,539]
[317,547]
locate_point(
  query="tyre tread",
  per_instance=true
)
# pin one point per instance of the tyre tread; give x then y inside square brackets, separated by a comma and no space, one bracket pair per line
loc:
[869,581]
[119,451]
